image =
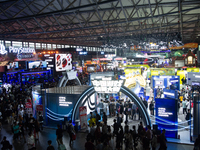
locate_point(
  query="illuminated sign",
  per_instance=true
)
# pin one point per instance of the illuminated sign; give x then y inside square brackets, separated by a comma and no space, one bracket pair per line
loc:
[107,85]
[2,49]
[63,62]
[79,49]
[162,112]
[21,50]
[83,53]
[62,102]
[166,116]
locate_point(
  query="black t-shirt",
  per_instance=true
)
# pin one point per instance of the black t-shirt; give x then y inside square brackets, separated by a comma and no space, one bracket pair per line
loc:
[59,133]
[89,146]
[5,144]
[50,147]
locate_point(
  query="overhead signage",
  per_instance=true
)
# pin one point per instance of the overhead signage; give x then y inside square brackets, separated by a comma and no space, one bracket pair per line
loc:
[2,49]
[20,52]
[107,85]
[62,102]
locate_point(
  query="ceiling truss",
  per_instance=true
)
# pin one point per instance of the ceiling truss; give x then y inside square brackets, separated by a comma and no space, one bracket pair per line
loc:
[90,22]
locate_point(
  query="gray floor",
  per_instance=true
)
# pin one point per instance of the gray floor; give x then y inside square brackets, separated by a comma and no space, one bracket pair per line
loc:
[49,134]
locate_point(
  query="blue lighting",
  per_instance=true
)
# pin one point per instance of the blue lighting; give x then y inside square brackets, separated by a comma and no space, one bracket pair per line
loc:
[35,72]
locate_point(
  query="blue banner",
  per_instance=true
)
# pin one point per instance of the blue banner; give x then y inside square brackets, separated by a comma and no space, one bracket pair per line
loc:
[166,116]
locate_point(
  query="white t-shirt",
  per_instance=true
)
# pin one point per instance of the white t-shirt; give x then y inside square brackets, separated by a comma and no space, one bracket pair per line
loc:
[31,142]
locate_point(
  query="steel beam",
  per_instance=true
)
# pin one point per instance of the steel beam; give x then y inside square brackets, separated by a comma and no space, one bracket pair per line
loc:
[22,26]
[58,22]
[123,11]
[39,25]
[167,25]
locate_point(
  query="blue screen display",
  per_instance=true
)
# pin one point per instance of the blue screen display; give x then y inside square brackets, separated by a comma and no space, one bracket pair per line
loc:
[166,116]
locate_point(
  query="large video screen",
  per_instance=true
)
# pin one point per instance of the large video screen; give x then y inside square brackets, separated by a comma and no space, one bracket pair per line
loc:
[37,64]
[12,65]
[63,62]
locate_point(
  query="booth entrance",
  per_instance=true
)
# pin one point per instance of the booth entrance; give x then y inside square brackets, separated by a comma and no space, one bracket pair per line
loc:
[84,97]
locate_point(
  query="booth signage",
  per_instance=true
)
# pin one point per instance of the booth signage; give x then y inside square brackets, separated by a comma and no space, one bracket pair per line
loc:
[166,116]
[62,102]
[39,107]
[83,117]
[107,85]
[2,49]
[21,52]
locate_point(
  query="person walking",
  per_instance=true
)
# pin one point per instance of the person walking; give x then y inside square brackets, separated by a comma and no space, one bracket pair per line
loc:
[30,141]
[16,132]
[50,147]
[126,113]
[188,117]
[134,110]
[197,143]
[59,134]
[151,108]
[184,106]
[163,144]
[71,132]
[5,144]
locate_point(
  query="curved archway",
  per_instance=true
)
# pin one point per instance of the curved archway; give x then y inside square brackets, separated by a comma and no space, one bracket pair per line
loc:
[133,97]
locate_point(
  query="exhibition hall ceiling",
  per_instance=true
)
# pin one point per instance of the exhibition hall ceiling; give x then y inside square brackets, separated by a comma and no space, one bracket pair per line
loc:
[92,22]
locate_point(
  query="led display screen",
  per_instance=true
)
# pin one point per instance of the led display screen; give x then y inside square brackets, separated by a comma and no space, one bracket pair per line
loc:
[63,62]
[166,116]
[37,64]
[37,100]
[13,65]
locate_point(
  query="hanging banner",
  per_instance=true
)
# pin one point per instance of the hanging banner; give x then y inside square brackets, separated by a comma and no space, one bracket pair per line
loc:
[83,117]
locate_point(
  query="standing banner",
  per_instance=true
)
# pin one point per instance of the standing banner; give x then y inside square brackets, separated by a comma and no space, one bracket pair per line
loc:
[83,117]
[39,108]
[29,108]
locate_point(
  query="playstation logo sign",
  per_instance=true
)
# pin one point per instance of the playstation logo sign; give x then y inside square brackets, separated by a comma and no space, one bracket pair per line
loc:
[2,49]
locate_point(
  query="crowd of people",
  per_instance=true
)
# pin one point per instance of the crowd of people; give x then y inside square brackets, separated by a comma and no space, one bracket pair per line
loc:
[13,113]
[108,137]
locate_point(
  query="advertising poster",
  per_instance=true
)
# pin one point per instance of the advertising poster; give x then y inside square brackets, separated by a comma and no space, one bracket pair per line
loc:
[134,80]
[29,108]
[83,117]
[12,65]
[39,108]
[166,116]
[37,64]
[37,100]
[63,62]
